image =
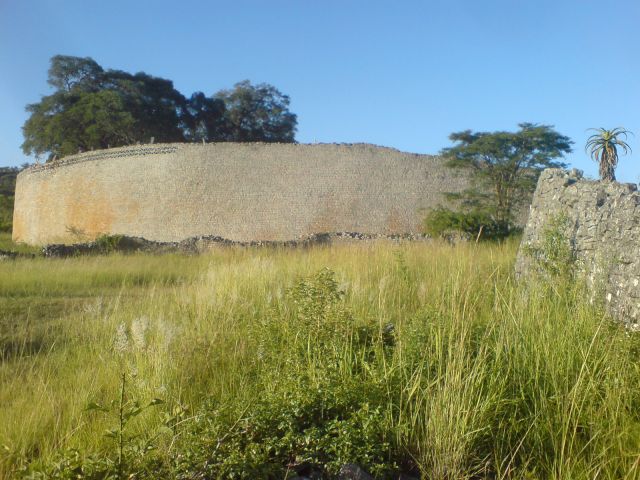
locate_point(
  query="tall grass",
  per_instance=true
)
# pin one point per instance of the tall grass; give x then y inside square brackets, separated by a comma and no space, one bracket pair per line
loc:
[419,358]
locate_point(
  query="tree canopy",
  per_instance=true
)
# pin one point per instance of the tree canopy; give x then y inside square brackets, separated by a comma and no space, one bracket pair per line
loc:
[257,113]
[7,191]
[505,166]
[95,108]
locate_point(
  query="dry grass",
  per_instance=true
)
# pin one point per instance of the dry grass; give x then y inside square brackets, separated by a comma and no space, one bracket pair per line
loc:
[486,378]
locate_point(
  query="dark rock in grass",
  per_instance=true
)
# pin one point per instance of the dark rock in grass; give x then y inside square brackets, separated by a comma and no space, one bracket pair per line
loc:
[104,245]
[310,476]
[4,255]
[389,335]
[454,237]
[9,255]
[351,471]
[404,476]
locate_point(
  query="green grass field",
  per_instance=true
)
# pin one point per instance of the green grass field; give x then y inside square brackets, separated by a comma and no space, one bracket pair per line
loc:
[257,363]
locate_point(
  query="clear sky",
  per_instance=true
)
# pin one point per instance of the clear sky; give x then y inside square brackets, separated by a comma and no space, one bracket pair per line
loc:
[403,74]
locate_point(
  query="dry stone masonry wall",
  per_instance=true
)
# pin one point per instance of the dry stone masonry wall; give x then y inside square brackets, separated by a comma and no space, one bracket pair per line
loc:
[601,222]
[241,192]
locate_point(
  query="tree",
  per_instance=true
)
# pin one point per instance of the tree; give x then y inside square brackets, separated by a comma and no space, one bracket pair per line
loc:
[158,109]
[62,124]
[504,166]
[7,191]
[603,148]
[205,119]
[95,108]
[66,73]
[258,113]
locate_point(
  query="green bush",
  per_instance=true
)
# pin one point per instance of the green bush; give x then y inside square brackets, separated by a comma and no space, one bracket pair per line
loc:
[108,243]
[6,213]
[263,376]
[554,254]
[320,409]
[441,221]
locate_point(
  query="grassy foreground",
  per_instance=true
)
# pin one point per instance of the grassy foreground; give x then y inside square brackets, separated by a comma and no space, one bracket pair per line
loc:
[242,363]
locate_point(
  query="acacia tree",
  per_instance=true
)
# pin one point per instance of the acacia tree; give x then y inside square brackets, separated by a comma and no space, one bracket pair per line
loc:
[603,148]
[504,166]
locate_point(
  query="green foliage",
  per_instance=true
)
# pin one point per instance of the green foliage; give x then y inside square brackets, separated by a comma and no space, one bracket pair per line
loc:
[504,166]
[312,414]
[88,120]
[272,365]
[205,119]
[603,148]
[124,410]
[127,457]
[301,430]
[67,72]
[554,254]
[108,243]
[8,180]
[257,113]
[7,189]
[477,224]
[7,244]
[93,108]
[6,213]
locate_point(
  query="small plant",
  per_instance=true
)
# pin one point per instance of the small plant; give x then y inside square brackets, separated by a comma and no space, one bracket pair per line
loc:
[108,243]
[124,410]
[130,458]
[554,254]
[603,148]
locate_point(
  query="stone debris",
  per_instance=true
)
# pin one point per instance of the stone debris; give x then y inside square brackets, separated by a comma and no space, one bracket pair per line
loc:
[4,255]
[200,244]
[351,471]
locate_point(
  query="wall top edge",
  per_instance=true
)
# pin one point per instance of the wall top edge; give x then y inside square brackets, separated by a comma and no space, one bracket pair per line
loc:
[167,148]
[575,176]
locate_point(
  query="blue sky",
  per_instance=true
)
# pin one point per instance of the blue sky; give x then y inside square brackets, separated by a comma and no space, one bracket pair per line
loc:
[404,74]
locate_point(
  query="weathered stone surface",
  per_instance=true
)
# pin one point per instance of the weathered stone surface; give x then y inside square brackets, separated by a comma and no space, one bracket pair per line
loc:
[241,192]
[602,224]
[351,471]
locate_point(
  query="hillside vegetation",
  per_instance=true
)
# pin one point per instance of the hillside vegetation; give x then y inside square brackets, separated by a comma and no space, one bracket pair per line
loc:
[7,190]
[257,363]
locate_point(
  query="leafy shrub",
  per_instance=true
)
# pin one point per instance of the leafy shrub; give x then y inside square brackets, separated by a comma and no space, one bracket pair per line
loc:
[320,409]
[6,213]
[553,254]
[441,221]
[108,243]
[298,428]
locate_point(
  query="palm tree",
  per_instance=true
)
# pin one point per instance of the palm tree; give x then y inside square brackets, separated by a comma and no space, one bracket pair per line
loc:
[603,148]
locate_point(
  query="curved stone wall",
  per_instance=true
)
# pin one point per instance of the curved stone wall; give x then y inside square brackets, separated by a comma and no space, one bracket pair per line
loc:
[242,192]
